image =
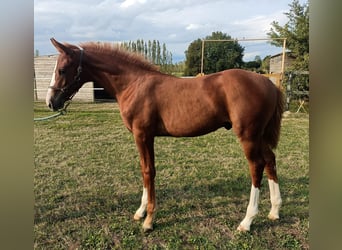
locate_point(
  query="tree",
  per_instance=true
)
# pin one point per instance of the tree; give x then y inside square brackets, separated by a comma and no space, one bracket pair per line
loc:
[296,32]
[218,56]
[193,58]
[265,64]
[252,65]
[149,50]
[152,51]
[158,59]
[258,65]
[164,55]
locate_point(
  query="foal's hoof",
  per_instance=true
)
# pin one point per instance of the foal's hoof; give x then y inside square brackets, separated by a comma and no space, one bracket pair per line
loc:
[273,217]
[242,228]
[147,226]
[147,229]
[137,217]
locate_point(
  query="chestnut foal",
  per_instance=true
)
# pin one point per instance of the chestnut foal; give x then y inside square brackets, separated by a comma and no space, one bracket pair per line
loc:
[155,104]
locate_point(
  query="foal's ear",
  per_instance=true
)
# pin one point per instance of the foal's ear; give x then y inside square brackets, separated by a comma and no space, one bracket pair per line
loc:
[61,47]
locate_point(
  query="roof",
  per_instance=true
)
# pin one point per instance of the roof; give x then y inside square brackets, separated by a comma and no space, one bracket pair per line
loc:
[288,53]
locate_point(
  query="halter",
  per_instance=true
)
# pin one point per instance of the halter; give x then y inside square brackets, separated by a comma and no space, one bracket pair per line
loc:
[74,86]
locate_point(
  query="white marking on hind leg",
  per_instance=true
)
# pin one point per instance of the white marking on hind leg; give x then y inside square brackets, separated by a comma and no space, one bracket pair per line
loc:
[140,213]
[275,200]
[252,210]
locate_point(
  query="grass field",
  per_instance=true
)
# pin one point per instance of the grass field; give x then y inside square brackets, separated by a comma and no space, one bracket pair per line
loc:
[87,186]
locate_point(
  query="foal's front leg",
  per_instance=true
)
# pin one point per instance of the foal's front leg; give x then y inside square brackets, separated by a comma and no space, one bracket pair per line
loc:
[148,200]
[140,213]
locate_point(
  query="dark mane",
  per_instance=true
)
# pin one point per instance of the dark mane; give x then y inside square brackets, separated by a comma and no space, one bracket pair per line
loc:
[115,50]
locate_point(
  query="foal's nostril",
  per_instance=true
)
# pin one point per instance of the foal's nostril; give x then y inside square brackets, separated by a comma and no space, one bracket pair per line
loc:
[50,105]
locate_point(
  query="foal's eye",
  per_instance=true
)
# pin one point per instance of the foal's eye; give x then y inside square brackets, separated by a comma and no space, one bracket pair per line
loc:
[61,71]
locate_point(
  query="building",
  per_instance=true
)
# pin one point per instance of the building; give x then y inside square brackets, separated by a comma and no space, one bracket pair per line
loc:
[276,62]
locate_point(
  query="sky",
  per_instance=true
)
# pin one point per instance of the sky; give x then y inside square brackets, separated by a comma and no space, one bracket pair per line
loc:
[174,22]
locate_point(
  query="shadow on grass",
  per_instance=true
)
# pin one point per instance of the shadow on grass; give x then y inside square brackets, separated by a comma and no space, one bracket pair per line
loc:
[213,201]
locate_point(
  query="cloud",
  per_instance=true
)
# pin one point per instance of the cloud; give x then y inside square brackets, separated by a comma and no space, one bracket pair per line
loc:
[192,26]
[176,23]
[128,3]
[257,26]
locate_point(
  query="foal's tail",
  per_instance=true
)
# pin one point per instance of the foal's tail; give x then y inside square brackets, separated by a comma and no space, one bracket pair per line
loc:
[272,130]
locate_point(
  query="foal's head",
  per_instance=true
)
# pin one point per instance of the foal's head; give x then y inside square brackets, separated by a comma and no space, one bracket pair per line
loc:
[66,79]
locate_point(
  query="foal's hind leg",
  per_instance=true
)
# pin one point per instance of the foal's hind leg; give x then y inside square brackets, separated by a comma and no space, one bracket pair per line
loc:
[253,152]
[273,183]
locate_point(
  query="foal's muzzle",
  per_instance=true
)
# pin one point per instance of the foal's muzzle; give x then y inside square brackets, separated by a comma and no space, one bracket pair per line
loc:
[56,105]
[55,99]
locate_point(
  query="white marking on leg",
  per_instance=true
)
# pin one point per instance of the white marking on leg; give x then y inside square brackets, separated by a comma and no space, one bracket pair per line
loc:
[140,213]
[275,200]
[252,210]
[52,82]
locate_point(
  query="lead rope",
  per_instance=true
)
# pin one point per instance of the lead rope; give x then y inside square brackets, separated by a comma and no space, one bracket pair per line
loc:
[63,111]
